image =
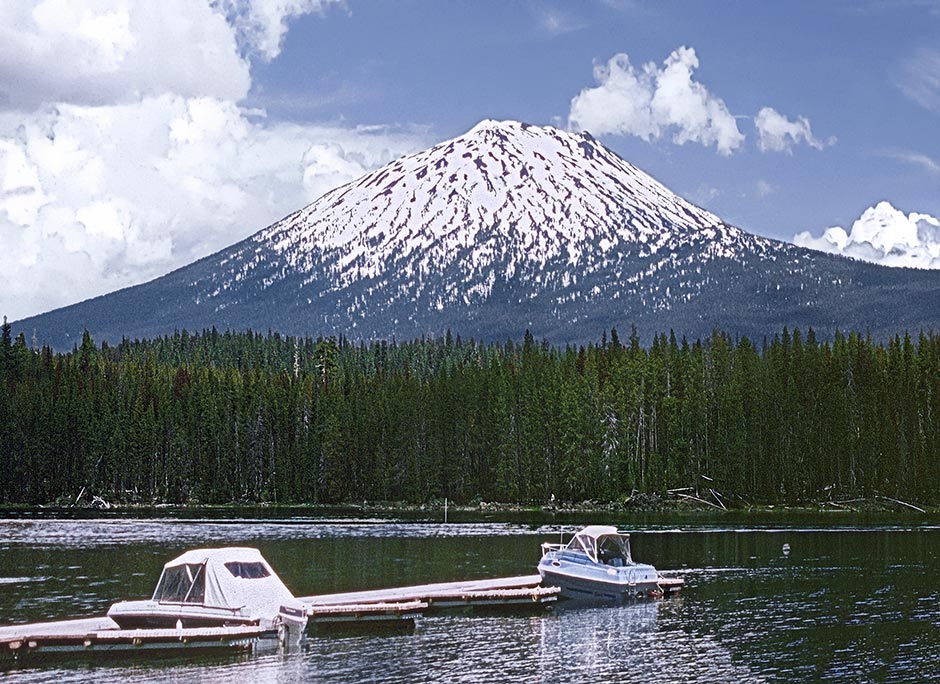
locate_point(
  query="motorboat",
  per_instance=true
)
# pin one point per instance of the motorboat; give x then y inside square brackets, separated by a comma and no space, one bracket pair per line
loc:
[596,565]
[223,587]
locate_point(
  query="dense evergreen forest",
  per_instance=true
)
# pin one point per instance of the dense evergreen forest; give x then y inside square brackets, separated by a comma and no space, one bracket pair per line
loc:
[223,417]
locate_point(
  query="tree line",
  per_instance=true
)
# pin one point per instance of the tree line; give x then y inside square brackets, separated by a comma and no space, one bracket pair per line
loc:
[214,418]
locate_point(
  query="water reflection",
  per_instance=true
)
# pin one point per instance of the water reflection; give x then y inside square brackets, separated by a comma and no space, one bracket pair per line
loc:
[616,643]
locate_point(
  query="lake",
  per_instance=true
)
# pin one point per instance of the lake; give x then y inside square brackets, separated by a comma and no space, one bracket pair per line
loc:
[856,599]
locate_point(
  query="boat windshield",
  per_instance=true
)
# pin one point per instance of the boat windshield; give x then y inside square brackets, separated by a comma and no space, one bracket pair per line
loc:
[610,549]
[182,584]
[614,549]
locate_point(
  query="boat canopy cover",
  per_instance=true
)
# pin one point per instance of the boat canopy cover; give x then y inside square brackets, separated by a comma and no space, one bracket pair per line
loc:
[602,542]
[596,531]
[234,578]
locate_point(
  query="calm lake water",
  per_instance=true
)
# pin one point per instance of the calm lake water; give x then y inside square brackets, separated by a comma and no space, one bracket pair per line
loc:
[856,600]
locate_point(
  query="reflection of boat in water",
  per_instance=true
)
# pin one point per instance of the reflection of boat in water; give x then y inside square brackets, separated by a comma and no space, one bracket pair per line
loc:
[601,643]
[214,588]
[596,565]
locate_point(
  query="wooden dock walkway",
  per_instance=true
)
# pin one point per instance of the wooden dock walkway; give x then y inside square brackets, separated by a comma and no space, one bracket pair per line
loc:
[93,636]
[396,608]
[519,591]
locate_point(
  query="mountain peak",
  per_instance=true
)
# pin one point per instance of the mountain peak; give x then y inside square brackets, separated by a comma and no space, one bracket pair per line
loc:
[513,127]
[510,125]
[486,129]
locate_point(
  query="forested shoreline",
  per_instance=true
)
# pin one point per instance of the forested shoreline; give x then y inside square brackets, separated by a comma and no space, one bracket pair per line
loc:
[216,418]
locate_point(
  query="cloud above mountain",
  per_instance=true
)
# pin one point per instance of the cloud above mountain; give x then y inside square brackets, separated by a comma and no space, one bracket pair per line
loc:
[124,152]
[883,235]
[652,102]
[777,133]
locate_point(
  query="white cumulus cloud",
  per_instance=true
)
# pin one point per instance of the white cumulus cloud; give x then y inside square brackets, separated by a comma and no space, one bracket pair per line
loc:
[777,133]
[97,198]
[124,152]
[97,52]
[653,101]
[883,235]
[650,102]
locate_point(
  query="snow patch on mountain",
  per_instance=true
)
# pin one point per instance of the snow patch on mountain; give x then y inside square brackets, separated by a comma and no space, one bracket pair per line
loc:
[883,235]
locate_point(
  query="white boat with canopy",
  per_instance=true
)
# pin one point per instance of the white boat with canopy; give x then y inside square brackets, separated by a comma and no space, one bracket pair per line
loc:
[596,565]
[231,586]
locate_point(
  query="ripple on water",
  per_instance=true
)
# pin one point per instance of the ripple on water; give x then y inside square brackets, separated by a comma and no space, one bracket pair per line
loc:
[21,580]
[93,533]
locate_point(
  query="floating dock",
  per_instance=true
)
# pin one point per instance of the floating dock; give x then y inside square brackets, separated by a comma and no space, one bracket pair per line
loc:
[521,591]
[95,636]
[398,615]
[382,608]
[508,592]
[396,607]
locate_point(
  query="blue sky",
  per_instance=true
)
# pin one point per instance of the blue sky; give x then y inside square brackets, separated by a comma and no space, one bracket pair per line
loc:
[136,136]
[842,65]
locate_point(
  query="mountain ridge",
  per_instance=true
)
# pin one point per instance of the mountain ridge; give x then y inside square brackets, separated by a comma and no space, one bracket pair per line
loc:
[507,227]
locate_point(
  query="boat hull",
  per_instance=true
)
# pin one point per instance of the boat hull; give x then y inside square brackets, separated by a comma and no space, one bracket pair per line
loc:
[152,615]
[598,583]
[593,589]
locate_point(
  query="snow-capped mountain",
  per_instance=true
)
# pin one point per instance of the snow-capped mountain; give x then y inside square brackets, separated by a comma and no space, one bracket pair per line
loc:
[507,227]
[504,197]
[503,204]
[883,235]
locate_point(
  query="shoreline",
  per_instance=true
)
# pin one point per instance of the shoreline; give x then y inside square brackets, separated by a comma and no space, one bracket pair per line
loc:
[647,505]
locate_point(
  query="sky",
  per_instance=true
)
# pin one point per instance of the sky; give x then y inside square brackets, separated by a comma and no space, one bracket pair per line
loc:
[137,137]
